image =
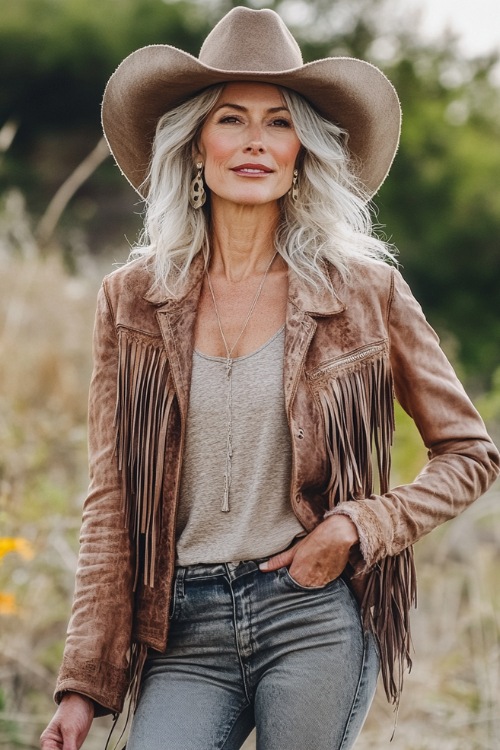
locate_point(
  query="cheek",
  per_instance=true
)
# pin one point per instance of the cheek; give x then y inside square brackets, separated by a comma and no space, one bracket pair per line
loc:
[288,155]
[216,149]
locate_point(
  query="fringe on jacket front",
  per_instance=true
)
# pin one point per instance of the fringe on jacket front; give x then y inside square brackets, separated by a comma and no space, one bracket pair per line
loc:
[357,405]
[144,401]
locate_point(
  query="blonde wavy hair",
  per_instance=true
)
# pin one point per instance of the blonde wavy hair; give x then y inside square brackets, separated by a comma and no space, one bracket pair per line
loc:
[331,221]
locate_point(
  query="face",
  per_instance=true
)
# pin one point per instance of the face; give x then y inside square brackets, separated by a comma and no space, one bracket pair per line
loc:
[248,145]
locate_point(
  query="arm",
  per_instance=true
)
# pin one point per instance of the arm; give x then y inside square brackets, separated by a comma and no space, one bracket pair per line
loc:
[95,658]
[463,461]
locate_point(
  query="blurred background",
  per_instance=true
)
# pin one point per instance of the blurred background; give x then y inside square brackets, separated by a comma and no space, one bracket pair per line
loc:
[67,216]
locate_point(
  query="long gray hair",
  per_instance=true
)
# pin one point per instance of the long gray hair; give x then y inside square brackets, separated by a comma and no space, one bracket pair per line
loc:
[330,221]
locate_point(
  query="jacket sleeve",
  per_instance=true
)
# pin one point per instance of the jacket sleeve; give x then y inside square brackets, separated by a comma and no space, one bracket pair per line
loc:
[463,461]
[95,661]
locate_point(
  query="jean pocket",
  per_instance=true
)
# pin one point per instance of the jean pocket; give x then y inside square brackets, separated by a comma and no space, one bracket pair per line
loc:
[290,580]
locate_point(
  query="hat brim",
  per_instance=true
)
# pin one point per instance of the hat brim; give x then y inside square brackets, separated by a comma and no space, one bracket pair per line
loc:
[354,94]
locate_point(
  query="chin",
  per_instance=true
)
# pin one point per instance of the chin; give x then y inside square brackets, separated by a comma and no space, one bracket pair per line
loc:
[250,198]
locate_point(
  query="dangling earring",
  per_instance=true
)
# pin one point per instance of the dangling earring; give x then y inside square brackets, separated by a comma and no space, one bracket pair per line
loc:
[294,191]
[197,194]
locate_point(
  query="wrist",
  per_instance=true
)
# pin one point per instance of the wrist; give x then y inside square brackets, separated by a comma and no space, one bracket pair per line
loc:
[343,530]
[71,697]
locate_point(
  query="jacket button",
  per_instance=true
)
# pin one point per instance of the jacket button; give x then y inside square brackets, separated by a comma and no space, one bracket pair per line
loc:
[300,434]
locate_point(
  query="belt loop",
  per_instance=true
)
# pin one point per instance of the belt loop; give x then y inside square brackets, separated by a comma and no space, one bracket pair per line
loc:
[179,583]
[182,576]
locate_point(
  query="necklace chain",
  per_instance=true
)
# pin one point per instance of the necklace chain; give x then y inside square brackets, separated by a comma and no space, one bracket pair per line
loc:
[229,372]
[229,351]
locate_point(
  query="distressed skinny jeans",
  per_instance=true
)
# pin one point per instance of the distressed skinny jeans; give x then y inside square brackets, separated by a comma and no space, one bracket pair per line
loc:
[248,648]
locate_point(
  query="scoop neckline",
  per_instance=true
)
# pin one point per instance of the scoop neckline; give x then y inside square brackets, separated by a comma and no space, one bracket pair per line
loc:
[244,356]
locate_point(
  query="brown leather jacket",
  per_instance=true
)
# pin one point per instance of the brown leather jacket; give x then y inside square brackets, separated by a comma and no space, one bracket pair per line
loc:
[346,353]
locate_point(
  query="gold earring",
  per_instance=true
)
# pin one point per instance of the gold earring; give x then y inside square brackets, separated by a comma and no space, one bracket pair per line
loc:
[197,194]
[294,192]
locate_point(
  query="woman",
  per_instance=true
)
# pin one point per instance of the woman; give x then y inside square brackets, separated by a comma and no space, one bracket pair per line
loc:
[245,364]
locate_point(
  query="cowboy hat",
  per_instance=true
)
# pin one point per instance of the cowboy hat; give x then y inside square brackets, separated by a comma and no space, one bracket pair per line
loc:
[250,45]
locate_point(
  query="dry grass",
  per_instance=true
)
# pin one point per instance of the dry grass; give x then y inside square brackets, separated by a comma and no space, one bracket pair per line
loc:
[452,698]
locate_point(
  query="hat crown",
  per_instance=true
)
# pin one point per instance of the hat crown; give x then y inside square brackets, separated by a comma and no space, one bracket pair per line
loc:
[251,40]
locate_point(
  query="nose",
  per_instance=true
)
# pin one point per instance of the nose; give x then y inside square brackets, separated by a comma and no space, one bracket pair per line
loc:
[255,143]
[255,147]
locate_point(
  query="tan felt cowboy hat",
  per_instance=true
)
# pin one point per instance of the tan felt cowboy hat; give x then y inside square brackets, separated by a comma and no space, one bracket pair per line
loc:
[250,45]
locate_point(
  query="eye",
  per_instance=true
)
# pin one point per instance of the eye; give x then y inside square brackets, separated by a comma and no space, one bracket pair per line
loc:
[229,119]
[281,122]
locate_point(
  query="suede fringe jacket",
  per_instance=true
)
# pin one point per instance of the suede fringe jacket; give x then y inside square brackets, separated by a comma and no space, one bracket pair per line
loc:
[347,353]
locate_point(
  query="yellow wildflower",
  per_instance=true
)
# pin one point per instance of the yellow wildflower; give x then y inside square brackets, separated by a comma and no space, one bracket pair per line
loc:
[16,544]
[8,604]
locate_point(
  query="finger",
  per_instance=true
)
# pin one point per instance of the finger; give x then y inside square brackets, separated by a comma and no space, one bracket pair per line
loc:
[49,744]
[281,560]
[67,742]
[51,739]
[71,736]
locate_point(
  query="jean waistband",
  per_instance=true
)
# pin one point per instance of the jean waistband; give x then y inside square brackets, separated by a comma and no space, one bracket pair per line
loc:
[209,570]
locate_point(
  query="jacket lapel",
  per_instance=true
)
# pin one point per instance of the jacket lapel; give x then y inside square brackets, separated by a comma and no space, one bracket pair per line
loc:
[304,304]
[176,318]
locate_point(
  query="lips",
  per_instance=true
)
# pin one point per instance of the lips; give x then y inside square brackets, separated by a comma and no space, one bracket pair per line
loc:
[251,169]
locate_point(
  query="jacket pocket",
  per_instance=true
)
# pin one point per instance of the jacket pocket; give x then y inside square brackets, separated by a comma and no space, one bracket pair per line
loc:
[344,362]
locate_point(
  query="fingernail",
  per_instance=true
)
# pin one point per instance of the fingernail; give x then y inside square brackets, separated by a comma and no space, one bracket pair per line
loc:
[263,565]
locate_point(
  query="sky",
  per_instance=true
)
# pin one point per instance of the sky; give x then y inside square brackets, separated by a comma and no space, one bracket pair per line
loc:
[477,21]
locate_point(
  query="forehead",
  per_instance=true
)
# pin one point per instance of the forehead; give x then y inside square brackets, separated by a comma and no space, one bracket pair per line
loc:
[249,92]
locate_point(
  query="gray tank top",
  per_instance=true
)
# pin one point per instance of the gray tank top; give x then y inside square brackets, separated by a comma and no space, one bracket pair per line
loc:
[260,521]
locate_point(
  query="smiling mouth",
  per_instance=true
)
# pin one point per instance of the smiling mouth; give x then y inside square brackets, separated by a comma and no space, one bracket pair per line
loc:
[252,169]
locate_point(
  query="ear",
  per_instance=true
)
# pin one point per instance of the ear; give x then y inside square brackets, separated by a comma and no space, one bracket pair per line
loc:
[300,158]
[196,150]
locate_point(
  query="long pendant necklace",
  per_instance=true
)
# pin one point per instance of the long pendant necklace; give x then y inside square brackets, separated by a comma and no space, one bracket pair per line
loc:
[229,372]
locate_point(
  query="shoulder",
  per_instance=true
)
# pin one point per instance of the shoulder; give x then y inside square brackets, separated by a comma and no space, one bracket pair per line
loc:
[132,280]
[127,291]
[368,280]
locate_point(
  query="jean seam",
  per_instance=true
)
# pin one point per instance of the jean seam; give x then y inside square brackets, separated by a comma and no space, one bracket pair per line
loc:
[237,645]
[242,709]
[351,594]
[355,702]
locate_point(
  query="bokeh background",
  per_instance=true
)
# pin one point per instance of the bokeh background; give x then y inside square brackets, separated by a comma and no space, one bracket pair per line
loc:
[66,217]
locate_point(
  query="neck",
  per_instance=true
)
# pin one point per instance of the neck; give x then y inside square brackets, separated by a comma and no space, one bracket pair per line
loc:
[242,238]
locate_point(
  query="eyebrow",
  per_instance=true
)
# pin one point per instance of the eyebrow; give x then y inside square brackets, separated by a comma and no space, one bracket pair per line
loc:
[245,109]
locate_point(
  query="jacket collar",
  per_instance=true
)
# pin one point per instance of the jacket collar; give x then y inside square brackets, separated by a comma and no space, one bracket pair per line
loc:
[161,298]
[320,301]
[302,295]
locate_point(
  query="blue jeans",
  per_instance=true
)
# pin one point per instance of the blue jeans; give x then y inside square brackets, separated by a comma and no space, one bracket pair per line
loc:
[248,648]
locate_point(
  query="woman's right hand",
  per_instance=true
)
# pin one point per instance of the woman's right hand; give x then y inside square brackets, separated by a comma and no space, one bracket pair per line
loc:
[70,724]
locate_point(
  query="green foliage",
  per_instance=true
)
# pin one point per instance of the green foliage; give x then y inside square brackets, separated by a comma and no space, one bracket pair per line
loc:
[9,730]
[441,203]
[56,55]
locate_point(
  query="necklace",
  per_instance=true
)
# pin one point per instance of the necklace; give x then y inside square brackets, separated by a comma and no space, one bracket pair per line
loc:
[228,364]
